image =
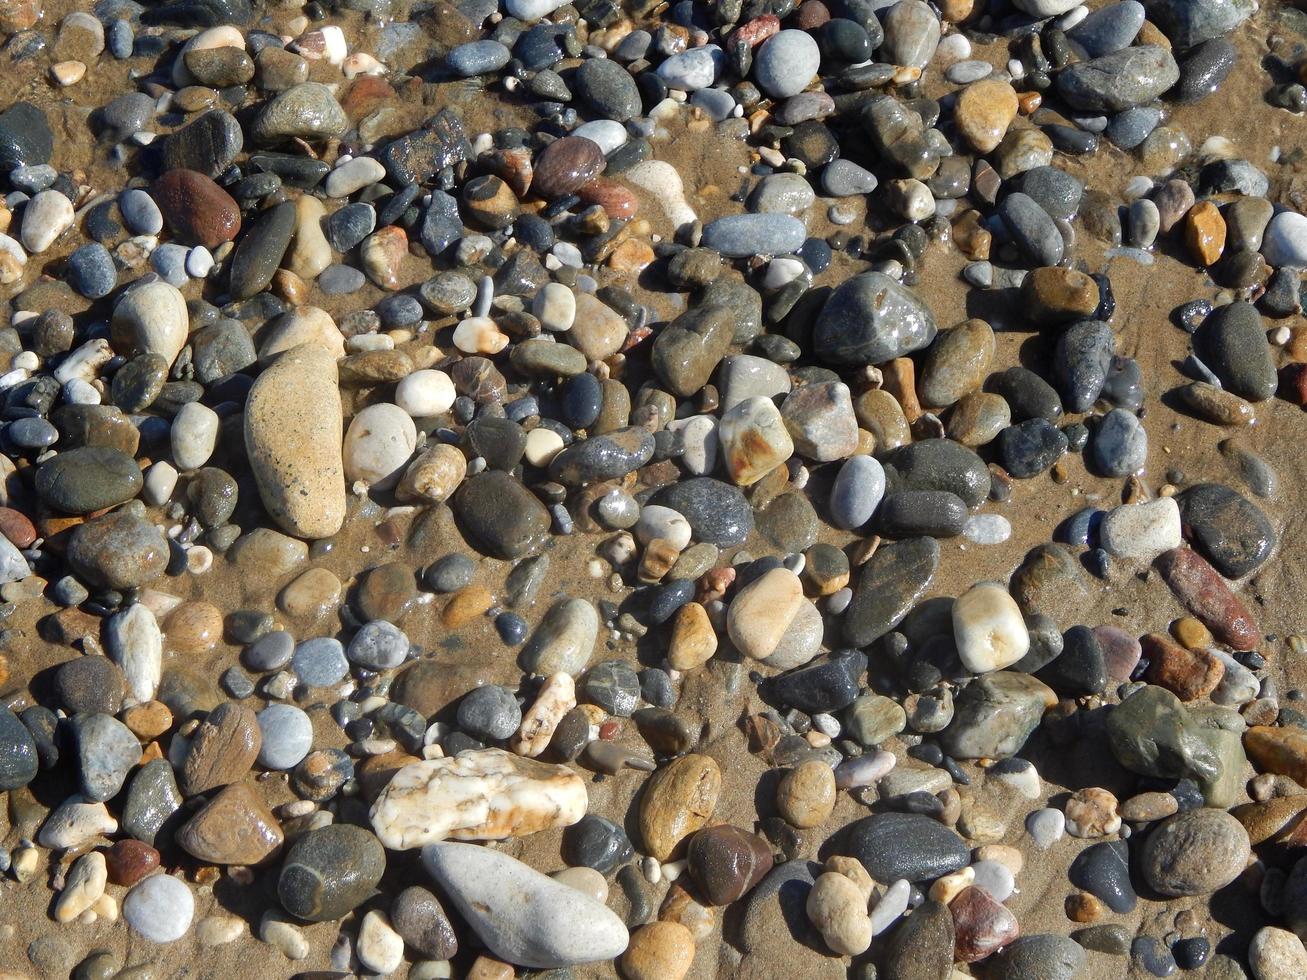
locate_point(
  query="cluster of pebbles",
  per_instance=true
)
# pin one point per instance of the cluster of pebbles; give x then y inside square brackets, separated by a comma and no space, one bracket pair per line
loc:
[435,509]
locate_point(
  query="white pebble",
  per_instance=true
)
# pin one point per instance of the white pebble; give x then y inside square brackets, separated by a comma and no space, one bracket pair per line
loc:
[425,393]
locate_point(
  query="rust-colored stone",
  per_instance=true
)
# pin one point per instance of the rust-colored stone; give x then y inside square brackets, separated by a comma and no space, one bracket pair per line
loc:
[1188,674]
[197,210]
[1202,591]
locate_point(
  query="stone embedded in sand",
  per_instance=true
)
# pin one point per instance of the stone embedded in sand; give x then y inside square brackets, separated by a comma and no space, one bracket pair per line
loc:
[988,628]
[522,916]
[483,794]
[678,800]
[293,433]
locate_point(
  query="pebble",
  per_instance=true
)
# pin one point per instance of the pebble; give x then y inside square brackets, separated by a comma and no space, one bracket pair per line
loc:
[159,908]
[905,845]
[293,430]
[287,736]
[988,628]
[786,63]
[755,234]
[522,916]
[329,871]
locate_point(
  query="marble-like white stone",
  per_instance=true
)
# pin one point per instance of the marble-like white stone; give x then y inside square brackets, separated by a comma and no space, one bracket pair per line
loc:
[481,794]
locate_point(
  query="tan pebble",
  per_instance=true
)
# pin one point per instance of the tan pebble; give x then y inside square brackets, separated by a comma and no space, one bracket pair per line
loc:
[838,911]
[479,335]
[381,254]
[1092,812]
[1146,807]
[762,611]
[632,256]
[678,799]
[193,627]
[680,906]
[1276,954]
[693,640]
[1204,232]
[466,605]
[984,111]
[588,881]
[1191,633]
[658,951]
[311,594]
[486,968]
[434,475]
[289,287]
[852,868]
[68,72]
[1004,854]
[948,887]
[1082,907]
[149,720]
[806,794]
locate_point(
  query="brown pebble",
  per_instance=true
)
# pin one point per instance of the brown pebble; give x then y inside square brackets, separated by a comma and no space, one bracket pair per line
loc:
[980,924]
[466,605]
[806,794]
[193,627]
[485,968]
[149,720]
[726,862]
[223,748]
[129,861]
[235,827]
[1188,674]
[17,527]
[1278,750]
[1083,907]
[1191,634]
[565,166]
[678,799]
[1200,588]
[197,210]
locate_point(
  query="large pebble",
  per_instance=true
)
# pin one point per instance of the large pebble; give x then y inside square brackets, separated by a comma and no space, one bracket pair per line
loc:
[293,432]
[523,917]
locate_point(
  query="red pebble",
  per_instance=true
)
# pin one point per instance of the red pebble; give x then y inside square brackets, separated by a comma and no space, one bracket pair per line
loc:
[616,200]
[129,861]
[16,526]
[754,32]
[608,730]
[1202,591]
[980,925]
